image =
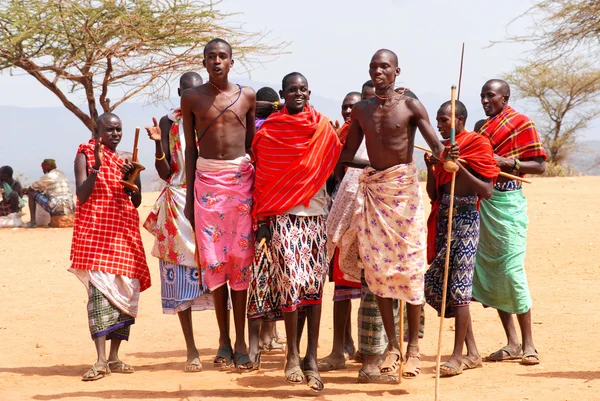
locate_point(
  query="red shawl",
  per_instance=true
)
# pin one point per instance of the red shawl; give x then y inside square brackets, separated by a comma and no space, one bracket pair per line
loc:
[295,154]
[476,150]
[513,135]
[343,134]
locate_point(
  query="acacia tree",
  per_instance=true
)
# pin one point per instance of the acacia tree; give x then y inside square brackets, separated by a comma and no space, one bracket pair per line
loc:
[561,27]
[566,91]
[113,50]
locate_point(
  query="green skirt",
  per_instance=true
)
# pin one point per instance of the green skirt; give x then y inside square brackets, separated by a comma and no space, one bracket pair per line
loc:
[500,280]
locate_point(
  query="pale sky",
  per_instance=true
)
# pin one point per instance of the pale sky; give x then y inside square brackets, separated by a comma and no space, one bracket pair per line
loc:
[331,43]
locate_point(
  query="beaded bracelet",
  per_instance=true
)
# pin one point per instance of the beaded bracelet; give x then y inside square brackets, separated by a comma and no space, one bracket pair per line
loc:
[517,166]
[160,158]
[94,171]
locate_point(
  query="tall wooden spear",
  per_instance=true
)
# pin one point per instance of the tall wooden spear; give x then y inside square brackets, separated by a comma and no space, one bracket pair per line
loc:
[450,166]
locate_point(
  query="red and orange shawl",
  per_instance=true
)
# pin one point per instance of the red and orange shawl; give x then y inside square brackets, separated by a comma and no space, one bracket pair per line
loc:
[343,134]
[513,135]
[294,154]
[477,152]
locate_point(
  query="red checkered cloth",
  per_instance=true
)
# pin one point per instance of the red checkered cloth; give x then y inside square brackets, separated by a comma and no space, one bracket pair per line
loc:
[513,135]
[106,235]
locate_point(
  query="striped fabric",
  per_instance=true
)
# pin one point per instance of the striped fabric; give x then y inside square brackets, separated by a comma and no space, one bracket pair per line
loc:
[513,135]
[295,154]
[343,134]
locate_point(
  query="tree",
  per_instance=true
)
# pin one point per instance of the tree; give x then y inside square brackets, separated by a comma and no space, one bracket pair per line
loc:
[119,47]
[561,27]
[566,91]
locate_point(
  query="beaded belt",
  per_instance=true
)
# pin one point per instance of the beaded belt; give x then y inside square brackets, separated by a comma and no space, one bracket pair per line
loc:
[459,209]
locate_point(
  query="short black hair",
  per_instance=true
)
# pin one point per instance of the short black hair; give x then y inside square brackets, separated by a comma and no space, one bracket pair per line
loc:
[353,93]
[288,76]
[460,109]
[7,170]
[389,52]
[503,84]
[105,115]
[369,84]
[218,40]
[267,94]
[190,79]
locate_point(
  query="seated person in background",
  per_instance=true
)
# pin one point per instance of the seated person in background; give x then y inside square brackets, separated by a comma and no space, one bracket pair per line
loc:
[10,189]
[51,192]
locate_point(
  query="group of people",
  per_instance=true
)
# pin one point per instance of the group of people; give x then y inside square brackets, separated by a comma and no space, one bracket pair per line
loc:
[51,192]
[246,222]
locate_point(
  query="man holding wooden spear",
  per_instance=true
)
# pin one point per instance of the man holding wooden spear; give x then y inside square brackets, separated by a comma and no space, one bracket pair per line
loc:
[500,280]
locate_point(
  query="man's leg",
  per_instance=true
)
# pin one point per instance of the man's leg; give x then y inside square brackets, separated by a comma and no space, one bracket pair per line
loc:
[341,315]
[32,205]
[114,363]
[413,357]
[238,299]
[462,320]
[14,201]
[255,327]
[193,357]
[472,351]
[349,347]
[393,360]
[292,368]
[220,298]
[313,316]
[531,357]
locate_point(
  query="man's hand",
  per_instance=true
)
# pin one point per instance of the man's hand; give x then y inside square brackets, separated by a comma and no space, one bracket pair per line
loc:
[504,163]
[188,211]
[153,130]
[98,154]
[431,160]
[452,152]
[335,126]
[126,168]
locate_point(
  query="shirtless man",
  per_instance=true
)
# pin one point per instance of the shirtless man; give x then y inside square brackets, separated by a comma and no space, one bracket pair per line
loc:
[219,116]
[392,244]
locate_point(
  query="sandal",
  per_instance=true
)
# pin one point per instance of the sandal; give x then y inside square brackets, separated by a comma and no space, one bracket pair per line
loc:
[325,365]
[94,374]
[242,362]
[530,358]
[274,346]
[392,362]
[313,379]
[506,353]
[296,371]
[193,366]
[120,367]
[412,367]
[224,357]
[349,352]
[448,369]
[364,377]
[469,363]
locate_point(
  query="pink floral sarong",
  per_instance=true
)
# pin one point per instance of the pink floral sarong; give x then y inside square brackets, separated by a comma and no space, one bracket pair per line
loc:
[223,206]
[390,226]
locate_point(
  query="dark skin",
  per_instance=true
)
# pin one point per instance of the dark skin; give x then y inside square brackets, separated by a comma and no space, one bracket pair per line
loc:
[494,98]
[14,198]
[388,127]
[109,131]
[159,133]
[467,183]
[347,104]
[31,200]
[226,139]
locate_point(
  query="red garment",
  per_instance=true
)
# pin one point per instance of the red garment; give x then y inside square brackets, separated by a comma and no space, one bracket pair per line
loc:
[343,134]
[295,154]
[338,276]
[106,233]
[513,135]
[477,152]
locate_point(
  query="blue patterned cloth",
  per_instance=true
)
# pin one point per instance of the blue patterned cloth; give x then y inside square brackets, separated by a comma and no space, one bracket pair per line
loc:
[463,250]
[180,289]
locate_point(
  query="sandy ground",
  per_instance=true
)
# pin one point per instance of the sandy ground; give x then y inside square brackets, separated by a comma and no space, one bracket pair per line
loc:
[45,345]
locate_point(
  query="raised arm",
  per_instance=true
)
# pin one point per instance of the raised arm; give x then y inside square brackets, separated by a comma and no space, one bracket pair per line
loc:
[191,151]
[353,140]
[163,166]
[250,123]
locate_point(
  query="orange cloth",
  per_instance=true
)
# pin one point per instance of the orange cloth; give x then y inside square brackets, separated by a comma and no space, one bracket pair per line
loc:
[294,154]
[343,134]
[477,151]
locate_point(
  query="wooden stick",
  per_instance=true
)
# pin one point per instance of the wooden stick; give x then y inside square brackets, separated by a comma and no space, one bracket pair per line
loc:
[444,289]
[502,173]
[462,59]
[135,144]
[401,329]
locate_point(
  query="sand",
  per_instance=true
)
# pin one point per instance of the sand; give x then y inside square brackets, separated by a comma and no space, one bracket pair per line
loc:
[45,345]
